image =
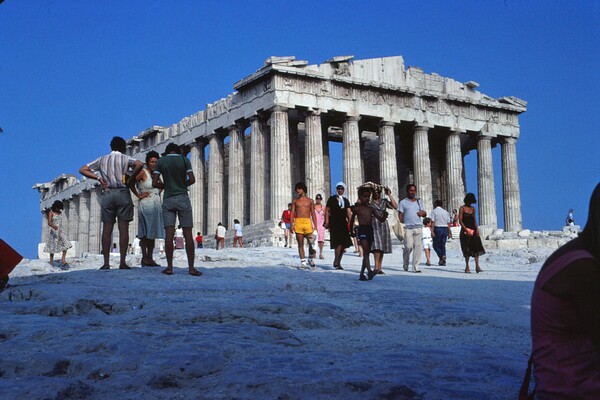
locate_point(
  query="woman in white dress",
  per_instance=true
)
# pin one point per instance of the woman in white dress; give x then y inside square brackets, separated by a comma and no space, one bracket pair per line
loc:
[57,239]
[150,216]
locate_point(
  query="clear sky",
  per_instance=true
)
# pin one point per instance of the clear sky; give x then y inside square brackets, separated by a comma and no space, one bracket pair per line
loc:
[74,73]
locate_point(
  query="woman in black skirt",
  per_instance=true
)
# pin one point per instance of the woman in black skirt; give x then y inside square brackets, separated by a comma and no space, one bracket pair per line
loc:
[470,241]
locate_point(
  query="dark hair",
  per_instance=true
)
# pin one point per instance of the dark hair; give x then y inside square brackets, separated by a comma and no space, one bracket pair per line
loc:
[426,220]
[409,186]
[57,205]
[172,148]
[235,221]
[289,204]
[151,154]
[438,203]
[118,144]
[301,185]
[364,189]
[470,199]
[318,196]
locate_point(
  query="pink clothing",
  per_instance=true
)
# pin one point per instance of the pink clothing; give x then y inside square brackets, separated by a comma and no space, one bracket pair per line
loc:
[320,221]
[566,363]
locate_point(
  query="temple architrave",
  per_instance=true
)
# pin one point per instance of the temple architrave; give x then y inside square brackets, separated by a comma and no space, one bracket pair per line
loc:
[397,126]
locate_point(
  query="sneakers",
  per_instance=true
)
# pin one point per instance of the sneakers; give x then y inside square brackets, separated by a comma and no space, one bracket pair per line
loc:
[405,267]
[303,264]
[311,263]
[442,261]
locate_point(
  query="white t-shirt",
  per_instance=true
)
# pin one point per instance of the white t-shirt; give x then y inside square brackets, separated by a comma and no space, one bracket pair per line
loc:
[221,231]
[238,229]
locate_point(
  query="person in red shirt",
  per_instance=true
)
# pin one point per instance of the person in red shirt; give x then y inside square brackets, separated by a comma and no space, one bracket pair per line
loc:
[286,224]
[199,240]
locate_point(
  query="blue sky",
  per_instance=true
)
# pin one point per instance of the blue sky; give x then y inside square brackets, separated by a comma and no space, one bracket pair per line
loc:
[75,73]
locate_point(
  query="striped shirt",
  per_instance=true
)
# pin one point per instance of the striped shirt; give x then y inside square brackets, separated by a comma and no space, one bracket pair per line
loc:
[112,167]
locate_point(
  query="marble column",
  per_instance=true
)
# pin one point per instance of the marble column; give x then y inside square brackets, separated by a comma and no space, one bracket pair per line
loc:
[95,235]
[198,161]
[353,176]
[214,213]
[281,186]
[84,221]
[422,167]
[74,218]
[454,160]
[297,156]
[258,171]
[236,196]
[513,221]
[485,183]
[387,156]
[315,177]
[326,162]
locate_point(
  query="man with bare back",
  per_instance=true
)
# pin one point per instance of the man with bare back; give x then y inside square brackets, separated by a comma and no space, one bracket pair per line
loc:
[303,221]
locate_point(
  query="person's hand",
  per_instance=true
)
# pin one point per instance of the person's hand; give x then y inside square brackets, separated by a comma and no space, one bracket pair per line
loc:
[385,214]
[422,213]
[387,191]
[143,195]
[103,183]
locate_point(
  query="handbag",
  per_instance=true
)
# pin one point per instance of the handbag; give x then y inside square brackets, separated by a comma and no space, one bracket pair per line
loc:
[469,232]
[399,230]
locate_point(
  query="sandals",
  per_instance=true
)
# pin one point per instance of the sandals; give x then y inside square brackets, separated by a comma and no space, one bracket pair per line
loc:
[168,271]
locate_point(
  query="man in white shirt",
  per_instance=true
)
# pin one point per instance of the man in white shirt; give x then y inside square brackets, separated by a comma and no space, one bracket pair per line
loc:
[410,212]
[441,219]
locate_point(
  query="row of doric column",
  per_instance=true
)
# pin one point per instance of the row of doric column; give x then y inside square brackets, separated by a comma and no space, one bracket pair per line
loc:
[274,167]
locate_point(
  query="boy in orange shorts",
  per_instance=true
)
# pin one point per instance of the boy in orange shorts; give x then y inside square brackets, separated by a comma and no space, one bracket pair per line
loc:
[303,221]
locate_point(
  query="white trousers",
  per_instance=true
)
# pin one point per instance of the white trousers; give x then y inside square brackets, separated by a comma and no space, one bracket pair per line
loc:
[412,243]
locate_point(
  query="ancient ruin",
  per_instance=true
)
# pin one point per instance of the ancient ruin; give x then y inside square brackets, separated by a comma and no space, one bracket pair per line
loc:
[397,125]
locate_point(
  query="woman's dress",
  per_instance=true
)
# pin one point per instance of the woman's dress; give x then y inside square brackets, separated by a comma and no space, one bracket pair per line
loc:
[320,221]
[471,246]
[338,223]
[57,239]
[150,216]
[381,230]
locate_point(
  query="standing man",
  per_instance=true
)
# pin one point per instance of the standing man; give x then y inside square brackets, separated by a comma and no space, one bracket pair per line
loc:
[303,222]
[441,219]
[337,220]
[410,213]
[177,175]
[116,201]
[286,220]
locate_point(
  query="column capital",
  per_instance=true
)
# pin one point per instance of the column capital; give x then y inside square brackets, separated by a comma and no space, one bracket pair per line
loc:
[509,140]
[386,123]
[483,137]
[352,118]
[313,112]
[279,108]
[421,128]
[199,143]
[457,131]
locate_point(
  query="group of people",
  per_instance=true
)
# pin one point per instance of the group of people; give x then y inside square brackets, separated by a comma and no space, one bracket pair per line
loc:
[171,174]
[366,221]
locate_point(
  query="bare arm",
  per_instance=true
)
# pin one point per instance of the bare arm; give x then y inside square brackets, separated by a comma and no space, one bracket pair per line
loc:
[388,192]
[293,216]
[156,182]
[50,224]
[313,215]
[87,172]
[191,178]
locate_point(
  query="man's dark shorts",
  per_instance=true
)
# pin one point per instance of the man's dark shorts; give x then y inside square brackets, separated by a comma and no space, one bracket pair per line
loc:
[180,206]
[116,204]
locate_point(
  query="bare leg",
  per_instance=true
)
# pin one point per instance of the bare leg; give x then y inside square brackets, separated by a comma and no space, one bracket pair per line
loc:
[189,251]
[321,250]
[123,242]
[150,251]
[477,269]
[52,259]
[64,257]
[467,270]
[339,252]
[428,256]
[378,256]
[300,240]
[107,229]
[169,235]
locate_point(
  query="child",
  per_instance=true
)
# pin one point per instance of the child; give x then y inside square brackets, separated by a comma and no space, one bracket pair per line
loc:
[364,214]
[427,236]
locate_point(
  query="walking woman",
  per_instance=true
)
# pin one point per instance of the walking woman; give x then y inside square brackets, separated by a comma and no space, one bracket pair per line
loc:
[320,213]
[470,241]
[150,217]
[382,242]
[57,239]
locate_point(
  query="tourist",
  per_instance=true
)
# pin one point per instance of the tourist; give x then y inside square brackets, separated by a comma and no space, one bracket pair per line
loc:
[57,239]
[470,241]
[199,240]
[286,218]
[570,221]
[9,259]
[237,233]
[382,239]
[441,221]
[455,217]
[565,323]
[320,213]
[151,225]
[220,236]
[410,212]
[365,214]
[427,239]
[337,218]
[116,203]
[115,249]
[177,175]
[303,222]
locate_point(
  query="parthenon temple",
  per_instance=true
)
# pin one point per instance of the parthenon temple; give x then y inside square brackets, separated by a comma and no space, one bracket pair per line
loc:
[396,125]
